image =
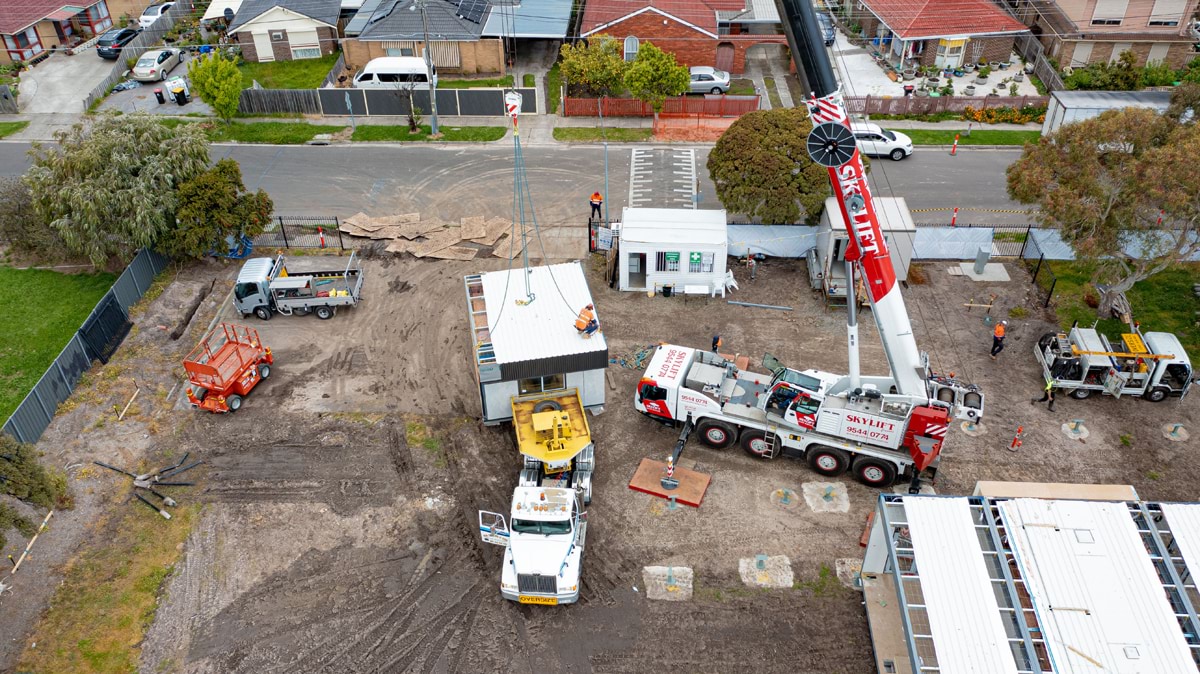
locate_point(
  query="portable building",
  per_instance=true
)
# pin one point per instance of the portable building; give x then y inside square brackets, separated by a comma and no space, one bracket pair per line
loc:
[1014,585]
[827,260]
[1066,107]
[673,250]
[524,341]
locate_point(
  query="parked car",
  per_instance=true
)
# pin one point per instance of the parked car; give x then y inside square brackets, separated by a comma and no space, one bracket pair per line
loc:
[707,80]
[153,13]
[827,32]
[110,44]
[154,65]
[875,141]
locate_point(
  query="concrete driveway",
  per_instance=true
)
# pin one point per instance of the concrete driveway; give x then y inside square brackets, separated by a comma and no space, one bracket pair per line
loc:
[61,82]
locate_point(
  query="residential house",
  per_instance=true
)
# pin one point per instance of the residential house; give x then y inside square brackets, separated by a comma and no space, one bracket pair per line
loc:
[31,28]
[286,30]
[397,28]
[942,33]
[699,32]
[1078,32]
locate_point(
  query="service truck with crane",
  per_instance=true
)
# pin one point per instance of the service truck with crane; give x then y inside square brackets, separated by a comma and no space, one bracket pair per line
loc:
[879,427]
[1082,361]
[546,528]
[264,288]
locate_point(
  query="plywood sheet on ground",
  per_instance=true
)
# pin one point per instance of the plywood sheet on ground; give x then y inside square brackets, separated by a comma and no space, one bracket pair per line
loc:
[473,227]
[399,246]
[455,253]
[435,242]
[504,248]
[495,228]
[690,491]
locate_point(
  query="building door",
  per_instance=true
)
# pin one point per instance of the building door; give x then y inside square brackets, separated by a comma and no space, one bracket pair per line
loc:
[725,56]
[262,45]
[637,271]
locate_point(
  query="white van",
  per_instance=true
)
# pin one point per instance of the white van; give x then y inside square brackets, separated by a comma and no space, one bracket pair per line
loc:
[395,72]
[875,141]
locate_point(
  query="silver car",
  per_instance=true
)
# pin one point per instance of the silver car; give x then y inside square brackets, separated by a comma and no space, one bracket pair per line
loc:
[154,65]
[707,80]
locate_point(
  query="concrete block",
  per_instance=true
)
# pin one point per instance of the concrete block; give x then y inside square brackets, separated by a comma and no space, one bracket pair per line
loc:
[763,571]
[826,497]
[667,583]
[847,572]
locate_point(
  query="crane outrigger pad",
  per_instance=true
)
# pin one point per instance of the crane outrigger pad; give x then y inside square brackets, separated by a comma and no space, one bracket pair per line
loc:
[691,489]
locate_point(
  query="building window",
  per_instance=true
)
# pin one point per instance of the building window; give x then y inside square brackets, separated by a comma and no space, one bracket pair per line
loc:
[1106,22]
[306,53]
[402,51]
[665,261]
[631,48]
[554,382]
[23,46]
[1163,23]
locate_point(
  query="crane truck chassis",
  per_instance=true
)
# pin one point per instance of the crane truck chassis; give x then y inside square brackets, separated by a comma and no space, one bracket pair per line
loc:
[543,553]
[1083,362]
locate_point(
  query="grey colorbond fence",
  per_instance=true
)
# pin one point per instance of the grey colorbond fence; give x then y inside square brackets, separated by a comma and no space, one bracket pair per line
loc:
[344,102]
[148,37]
[96,339]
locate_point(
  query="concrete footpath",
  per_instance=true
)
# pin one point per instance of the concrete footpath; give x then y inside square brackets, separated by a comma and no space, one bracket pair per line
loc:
[535,129]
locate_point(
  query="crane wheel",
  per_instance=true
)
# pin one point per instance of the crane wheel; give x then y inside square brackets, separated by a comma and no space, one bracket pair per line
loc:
[716,434]
[755,443]
[874,473]
[547,406]
[827,461]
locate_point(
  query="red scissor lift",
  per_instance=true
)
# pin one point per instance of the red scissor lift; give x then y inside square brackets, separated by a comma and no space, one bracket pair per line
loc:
[225,366]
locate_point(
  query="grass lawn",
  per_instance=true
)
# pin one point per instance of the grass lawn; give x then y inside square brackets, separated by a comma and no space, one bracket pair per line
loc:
[977,137]
[479,134]
[1162,303]
[35,329]
[99,614]
[302,74]
[741,87]
[280,133]
[553,88]
[587,134]
[529,80]
[506,81]
[772,92]
[9,128]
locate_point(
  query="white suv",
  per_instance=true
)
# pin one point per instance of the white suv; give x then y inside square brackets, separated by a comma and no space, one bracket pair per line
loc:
[875,141]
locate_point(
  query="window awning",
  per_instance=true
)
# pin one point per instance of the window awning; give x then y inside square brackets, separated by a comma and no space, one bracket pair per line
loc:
[65,13]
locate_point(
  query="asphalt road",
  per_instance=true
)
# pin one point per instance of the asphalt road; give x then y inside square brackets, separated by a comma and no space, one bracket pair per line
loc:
[450,182]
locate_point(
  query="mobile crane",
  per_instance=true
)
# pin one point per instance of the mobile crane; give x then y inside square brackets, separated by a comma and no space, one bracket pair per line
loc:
[879,427]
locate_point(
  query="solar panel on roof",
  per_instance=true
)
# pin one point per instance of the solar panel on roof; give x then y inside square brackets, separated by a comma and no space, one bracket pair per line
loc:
[473,10]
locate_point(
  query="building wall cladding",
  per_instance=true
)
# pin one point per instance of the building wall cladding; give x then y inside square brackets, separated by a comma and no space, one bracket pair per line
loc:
[282,49]
[1178,54]
[483,57]
[998,48]
[690,46]
[246,40]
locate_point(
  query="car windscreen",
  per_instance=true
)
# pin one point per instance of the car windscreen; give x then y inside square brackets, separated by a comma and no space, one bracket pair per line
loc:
[539,527]
[146,62]
[888,134]
[109,38]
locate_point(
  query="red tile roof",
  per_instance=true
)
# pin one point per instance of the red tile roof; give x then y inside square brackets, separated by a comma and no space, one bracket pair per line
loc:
[915,19]
[699,13]
[16,15]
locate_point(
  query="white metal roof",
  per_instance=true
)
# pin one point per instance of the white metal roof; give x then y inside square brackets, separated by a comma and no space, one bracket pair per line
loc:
[1098,598]
[1184,520]
[964,617]
[673,226]
[545,327]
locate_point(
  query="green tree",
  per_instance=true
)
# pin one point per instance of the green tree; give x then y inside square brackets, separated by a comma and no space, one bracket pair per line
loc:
[20,225]
[654,75]
[761,168]
[594,68]
[217,81]
[26,479]
[109,186]
[212,206]
[1104,183]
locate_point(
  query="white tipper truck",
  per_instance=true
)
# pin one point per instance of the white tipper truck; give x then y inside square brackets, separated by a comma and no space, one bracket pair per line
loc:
[546,528]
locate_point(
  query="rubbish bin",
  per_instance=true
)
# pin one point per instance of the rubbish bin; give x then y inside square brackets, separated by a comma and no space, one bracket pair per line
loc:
[667,291]
[908,89]
[180,96]
[159,95]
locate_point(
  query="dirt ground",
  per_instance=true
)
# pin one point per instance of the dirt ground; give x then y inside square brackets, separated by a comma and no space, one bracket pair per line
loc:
[339,531]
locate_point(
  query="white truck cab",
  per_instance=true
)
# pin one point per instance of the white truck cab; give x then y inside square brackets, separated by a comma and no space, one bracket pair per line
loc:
[544,547]
[1153,365]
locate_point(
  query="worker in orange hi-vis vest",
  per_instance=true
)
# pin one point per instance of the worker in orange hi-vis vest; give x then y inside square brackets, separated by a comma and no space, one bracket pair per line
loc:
[596,202]
[586,322]
[998,338]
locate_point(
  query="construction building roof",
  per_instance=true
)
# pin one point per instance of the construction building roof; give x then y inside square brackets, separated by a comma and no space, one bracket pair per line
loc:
[674,225]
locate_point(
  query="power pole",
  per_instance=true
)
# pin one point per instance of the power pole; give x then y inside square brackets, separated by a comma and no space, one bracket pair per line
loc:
[433,120]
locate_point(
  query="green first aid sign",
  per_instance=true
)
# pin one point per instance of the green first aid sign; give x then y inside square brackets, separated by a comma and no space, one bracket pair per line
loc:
[694,258]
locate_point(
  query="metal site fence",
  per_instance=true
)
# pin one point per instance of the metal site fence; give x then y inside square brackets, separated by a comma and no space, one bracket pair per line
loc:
[96,339]
[1007,240]
[300,231]
[1043,276]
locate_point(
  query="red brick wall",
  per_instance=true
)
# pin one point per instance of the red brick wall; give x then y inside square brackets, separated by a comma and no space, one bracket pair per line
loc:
[246,39]
[282,49]
[690,46]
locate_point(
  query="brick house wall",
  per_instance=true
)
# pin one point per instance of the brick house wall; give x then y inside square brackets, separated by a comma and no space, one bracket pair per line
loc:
[282,48]
[999,48]
[483,57]
[1178,54]
[690,46]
